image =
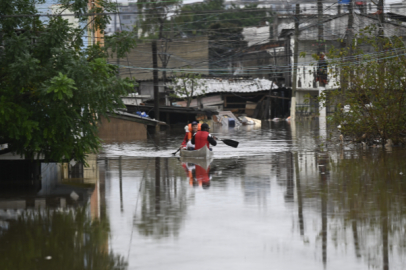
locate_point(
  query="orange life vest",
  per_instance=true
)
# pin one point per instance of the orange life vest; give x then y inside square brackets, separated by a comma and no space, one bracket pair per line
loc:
[190,134]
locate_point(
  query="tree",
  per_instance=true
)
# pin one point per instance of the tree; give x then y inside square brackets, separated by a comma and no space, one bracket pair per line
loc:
[155,15]
[188,85]
[226,40]
[372,107]
[53,90]
[222,25]
[196,19]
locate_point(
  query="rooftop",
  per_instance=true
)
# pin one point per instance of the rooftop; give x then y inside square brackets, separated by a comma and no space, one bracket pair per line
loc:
[208,86]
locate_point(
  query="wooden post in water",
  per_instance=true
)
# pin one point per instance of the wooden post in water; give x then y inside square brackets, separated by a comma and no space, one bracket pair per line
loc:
[157,185]
[299,194]
[120,176]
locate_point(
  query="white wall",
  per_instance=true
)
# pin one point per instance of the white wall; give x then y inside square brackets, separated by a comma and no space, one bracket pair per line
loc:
[57,9]
[256,35]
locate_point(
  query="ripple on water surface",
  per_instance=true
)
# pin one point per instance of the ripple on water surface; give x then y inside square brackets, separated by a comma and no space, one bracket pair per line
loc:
[260,141]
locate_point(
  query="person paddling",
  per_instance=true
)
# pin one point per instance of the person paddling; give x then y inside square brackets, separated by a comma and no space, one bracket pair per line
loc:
[193,128]
[203,138]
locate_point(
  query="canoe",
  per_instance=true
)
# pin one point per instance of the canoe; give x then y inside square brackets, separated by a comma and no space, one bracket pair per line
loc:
[203,152]
[202,162]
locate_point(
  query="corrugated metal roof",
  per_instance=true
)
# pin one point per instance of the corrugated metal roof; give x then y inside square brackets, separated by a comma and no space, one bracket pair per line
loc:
[207,86]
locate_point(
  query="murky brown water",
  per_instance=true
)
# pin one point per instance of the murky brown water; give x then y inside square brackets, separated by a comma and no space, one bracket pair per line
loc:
[282,200]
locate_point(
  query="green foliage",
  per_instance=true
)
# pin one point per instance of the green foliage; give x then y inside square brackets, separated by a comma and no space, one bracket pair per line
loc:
[61,86]
[197,18]
[371,100]
[155,16]
[53,90]
[188,85]
[225,40]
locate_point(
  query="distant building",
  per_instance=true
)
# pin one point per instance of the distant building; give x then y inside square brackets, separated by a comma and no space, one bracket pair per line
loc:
[184,53]
[126,18]
[334,30]
[398,7]
[57,9]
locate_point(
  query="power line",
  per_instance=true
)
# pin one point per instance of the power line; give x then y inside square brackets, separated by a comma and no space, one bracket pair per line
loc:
[210,30]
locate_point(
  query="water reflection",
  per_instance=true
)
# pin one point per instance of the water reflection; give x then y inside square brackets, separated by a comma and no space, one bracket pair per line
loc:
[198,171]
[300,207]
[57,240]
[61,226]
[163,200]
[345,206]
[365,195]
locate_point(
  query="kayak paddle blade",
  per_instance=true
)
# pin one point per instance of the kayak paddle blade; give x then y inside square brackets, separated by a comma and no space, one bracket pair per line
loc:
[231,143]
[176,151]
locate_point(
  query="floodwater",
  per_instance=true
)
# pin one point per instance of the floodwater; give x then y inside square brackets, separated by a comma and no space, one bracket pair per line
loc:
[284,199]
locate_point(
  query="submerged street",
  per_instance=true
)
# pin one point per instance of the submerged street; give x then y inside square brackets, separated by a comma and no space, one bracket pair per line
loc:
[109,111]
[284,199]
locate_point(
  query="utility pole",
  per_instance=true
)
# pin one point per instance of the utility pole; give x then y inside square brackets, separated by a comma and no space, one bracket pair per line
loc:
[350,31]
[381,18]
[320,35]
[295,63]
[155,76]
[320,49]
[348,42]
[381,35]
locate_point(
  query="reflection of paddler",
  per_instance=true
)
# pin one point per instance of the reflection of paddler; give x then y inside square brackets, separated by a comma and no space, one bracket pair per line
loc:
[198,176]
[189,168]
[202,176]
[192,129]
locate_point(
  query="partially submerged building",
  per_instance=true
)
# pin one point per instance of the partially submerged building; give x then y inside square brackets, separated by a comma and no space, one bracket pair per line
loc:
[258,98]
[335,31]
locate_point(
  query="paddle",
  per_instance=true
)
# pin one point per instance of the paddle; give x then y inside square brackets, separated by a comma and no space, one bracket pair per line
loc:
[176,151]
[229,142]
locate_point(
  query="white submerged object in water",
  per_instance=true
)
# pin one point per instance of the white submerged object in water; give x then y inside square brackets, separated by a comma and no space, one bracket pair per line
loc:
[203,152]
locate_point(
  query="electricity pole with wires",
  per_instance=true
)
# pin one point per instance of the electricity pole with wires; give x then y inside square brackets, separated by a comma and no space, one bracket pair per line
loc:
[295,63]
[321,69]
[155,76]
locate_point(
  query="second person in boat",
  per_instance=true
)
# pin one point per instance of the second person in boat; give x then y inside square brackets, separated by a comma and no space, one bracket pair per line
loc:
[203,138]
[192,128]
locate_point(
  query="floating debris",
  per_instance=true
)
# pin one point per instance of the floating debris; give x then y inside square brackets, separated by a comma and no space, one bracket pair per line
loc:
[74,196]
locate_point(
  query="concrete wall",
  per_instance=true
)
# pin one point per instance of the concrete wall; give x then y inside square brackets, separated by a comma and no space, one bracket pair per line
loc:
[147,88]
[185,52]
[259,61]
[51,174]
[307,67]
[256,35]
[119,130]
